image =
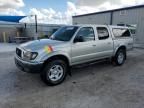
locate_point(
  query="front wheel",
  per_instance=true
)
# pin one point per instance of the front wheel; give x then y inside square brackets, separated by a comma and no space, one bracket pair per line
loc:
[120,57]
[54,73]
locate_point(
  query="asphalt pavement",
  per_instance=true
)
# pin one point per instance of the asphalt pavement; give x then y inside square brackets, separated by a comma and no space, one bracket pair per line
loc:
[97,85]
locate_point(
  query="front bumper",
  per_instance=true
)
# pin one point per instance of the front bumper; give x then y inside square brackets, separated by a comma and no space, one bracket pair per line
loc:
[25,66]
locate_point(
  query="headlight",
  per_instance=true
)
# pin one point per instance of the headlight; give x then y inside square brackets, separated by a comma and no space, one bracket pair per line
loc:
[30,55]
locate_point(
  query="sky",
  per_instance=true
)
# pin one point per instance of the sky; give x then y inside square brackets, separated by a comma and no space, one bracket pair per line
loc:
[59,11]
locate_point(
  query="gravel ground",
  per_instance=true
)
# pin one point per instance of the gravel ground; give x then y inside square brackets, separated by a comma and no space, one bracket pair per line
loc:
[99,85]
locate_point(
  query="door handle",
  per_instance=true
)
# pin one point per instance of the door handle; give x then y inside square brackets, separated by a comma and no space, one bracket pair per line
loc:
[93,45]
[109,43]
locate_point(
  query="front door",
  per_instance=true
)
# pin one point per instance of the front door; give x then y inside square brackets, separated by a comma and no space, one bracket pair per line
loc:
[83,48]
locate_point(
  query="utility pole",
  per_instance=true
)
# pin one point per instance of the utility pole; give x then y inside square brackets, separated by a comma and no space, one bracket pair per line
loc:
[36,28]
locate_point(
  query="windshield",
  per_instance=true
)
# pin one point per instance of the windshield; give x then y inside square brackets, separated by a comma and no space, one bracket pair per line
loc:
[64,33]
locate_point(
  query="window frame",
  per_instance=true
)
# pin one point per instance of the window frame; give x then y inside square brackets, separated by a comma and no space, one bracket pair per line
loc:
[123,12]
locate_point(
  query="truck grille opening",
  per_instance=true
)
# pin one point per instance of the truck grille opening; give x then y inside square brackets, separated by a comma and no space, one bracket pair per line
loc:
[18,52]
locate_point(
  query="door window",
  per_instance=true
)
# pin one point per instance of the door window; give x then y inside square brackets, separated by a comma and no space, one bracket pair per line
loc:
[102,33]
[85,34]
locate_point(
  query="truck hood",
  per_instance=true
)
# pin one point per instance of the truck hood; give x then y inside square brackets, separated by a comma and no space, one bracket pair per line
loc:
[38,44]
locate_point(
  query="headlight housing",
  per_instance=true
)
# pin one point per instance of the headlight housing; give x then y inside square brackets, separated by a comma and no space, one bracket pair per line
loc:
[30,55]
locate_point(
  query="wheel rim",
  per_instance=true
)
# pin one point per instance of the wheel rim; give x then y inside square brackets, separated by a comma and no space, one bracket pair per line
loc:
[120,58]
[55,72]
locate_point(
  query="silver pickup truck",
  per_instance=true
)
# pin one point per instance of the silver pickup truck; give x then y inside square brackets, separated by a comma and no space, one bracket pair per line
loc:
[73,45]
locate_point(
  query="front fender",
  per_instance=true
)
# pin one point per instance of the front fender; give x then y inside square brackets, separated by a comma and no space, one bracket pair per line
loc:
[46,56]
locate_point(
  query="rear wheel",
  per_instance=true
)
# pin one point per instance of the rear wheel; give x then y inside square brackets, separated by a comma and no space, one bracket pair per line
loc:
[54,73]
[120,57]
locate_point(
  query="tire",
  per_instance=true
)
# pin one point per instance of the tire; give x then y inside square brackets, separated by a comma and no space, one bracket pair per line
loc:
[54,72]
[120,57]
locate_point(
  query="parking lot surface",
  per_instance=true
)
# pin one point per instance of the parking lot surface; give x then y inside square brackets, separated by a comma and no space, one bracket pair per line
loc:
[99,85]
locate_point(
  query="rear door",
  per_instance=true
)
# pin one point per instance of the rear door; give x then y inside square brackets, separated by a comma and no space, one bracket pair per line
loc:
[104,42]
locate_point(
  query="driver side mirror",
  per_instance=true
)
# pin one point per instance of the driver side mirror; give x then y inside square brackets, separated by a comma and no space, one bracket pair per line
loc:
[78,39]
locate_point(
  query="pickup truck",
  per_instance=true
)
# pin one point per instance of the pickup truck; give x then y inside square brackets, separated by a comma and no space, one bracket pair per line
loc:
[73,45]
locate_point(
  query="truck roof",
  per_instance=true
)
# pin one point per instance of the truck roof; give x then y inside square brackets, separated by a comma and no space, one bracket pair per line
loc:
[111,26]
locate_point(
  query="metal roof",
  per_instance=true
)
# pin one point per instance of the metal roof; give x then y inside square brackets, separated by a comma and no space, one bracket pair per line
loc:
[11,18]
[125,8]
